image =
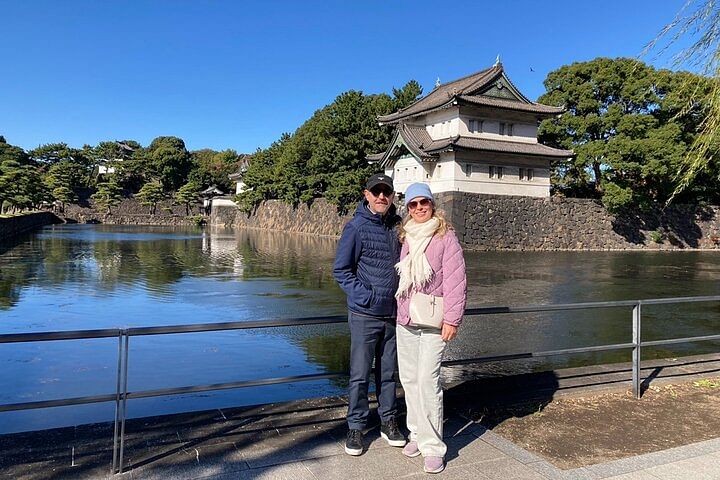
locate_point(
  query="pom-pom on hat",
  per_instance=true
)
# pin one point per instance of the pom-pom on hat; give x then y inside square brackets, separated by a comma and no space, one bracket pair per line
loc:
[418,190]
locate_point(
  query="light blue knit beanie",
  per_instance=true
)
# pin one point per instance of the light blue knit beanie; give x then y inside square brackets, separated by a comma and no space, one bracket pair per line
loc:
[418,190]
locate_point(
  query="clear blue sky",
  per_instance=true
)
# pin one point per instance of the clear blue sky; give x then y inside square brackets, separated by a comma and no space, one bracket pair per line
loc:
[231,74]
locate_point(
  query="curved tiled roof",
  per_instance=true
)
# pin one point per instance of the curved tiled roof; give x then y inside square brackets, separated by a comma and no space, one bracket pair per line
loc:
[465,89]
[501,146]
[502,103]
[445,93]
[417,140]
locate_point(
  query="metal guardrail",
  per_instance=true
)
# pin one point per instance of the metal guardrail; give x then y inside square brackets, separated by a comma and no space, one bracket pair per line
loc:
[121,395]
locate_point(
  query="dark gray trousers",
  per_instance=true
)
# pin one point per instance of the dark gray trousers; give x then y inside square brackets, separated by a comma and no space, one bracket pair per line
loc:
[371,337]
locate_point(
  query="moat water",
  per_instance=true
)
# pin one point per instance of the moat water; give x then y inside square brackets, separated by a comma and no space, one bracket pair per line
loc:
[71,277]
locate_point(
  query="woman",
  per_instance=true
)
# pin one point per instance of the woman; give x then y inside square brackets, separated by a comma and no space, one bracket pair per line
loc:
[431,263]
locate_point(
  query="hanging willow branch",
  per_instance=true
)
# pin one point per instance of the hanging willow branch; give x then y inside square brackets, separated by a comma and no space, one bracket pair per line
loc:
[697,23]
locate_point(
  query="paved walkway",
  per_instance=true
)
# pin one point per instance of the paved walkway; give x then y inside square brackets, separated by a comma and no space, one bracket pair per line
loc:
[305,440]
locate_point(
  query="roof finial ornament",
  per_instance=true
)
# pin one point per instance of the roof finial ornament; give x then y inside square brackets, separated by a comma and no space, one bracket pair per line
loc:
[437,82]
[497,61]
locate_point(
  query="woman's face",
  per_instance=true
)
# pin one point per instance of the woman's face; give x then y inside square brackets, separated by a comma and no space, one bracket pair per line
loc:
[421,209]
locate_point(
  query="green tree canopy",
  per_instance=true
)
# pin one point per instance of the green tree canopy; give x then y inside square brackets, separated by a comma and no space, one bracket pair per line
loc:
[21,186]
[188,195]
[326,156]
[696,28]
[150,194]
[13,153]
[211,167]
[66,174]
[626,125]
[64,195]
[51,153]
[169,161]
[20,183]
[108,195]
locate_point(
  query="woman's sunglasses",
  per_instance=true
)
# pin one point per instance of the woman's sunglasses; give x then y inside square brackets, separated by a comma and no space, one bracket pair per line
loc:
[423,202]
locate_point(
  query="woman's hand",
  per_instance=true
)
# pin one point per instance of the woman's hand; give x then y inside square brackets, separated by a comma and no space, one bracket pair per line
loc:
[448,332]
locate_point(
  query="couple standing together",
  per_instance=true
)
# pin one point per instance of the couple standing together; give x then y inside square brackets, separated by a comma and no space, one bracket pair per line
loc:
[381,264]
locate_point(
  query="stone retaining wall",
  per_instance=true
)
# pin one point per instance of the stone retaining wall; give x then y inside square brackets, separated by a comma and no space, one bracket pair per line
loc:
[320,218]
[490,222]
[12,226]
[495,222]
[131,212]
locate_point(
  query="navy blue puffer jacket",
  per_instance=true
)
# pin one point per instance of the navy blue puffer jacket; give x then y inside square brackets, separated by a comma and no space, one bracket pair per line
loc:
[365,262]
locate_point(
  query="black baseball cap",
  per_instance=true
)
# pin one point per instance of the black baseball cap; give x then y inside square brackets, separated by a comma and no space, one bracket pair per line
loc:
[379,179]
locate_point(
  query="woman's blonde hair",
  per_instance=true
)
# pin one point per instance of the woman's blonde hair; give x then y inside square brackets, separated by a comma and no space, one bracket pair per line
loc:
[441,230]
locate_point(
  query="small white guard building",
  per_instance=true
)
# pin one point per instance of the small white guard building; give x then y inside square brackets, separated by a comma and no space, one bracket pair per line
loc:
[477,134]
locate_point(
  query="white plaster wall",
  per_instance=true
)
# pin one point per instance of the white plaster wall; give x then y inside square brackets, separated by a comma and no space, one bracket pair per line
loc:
[407,170]
[525,132]
[435,126]
[522,132]
[451,176]
[479,180]
[223,202]
[501,187]
[239,187]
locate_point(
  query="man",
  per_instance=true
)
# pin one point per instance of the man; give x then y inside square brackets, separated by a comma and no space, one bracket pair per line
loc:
[365,269]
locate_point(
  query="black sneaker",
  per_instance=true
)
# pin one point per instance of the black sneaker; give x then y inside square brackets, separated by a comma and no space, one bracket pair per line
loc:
[391,433]
[354,442]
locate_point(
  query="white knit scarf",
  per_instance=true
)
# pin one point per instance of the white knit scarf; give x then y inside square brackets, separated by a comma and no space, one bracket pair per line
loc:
[414,269]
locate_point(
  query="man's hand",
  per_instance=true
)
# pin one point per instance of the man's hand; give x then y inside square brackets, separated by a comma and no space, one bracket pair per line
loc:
[448,332]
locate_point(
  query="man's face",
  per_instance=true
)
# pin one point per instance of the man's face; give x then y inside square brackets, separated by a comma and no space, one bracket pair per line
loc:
[379,198]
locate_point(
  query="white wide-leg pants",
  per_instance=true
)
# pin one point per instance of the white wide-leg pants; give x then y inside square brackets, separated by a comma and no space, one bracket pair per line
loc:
[420,352]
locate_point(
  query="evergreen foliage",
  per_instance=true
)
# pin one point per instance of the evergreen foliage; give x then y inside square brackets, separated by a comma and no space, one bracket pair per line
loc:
[108,195]
[150,194]
[187,195]
[326,156]
[629,126]
[211,167]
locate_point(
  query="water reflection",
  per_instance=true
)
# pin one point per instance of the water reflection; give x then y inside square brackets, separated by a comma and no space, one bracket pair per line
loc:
[95,276]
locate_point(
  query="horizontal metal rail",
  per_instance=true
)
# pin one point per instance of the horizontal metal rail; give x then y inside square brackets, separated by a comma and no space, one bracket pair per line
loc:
[123,335]
[62,335]
[225,386]
[303,321]
[11,407]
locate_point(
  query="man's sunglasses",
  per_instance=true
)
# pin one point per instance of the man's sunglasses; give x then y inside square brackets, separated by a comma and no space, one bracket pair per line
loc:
[423,202]
[376,191]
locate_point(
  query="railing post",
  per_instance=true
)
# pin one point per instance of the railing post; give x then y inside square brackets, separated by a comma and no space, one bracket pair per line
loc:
[116,430]
[124,401]
[637,344]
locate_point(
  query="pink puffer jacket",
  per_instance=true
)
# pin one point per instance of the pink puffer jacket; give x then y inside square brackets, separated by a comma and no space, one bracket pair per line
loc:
[446,259]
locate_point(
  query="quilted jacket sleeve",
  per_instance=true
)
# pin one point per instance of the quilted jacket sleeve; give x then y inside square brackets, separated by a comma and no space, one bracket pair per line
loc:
[345,266]
[454,280]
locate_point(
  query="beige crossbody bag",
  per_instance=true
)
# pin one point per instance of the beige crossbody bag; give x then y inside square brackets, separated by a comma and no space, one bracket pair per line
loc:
[426,310]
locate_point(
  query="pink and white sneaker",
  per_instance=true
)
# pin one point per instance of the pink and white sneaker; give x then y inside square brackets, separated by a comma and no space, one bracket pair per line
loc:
[411,449]
[434,464]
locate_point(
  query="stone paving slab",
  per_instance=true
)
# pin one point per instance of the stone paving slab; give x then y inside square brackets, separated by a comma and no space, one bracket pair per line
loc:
[704,467]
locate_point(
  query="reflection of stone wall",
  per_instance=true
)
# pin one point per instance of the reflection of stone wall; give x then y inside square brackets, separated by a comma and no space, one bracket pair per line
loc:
[494,222]
[321,218]
[9,227]
[131,212]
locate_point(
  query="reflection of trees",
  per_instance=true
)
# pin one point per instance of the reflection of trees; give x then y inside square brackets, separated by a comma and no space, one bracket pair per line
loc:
[12,279]
[72,255]
[158,265]
[303,258]
[18,261]
[329,351]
